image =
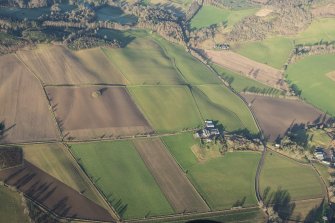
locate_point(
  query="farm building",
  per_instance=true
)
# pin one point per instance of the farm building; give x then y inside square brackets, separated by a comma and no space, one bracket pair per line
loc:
[209,131]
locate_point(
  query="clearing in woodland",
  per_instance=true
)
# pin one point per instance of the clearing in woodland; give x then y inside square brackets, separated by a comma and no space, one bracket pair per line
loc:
[277,115]
[173,182]
[25,113]
[310,75]
[122,176]
[58,65]
[96,112]
[53,159]
[218,103]
[252,69]
[167,108]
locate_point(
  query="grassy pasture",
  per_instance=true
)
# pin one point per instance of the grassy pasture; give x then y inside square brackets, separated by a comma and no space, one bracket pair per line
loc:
[240,83]
[109,13]
[310,75]
[300,181]
[11,208]
[52,159]
[210,15]
[219,103]
[120,173]
[167,108]
[192,70]
[272,51]
[144,62]
[180,147]
[228,180]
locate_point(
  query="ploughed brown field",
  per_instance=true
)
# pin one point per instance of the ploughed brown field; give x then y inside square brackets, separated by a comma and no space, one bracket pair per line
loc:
[83,115]
[171,179]
[250,68]
[276,115]
[53,194]
[24,107]
[58,65]
[324,10]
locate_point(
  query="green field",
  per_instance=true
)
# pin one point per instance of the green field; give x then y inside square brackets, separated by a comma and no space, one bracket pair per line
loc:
[273,51]
[192,70]
[210,15]
[323,170]
[168,108]
[222,181]
[144,62]
[219,103]
[119,172]
[11,208]
[180,147]
[310,75]
[318,138]
[242,83]
[53,159]
[226,181]
[300,181]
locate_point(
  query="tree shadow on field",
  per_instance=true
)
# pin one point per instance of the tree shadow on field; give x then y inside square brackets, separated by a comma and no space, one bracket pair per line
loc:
[280,201]
[240,203]
[316,214]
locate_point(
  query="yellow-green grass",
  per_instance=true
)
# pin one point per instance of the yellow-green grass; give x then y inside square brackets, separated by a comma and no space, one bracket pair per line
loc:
[144,62]
[11,207]
[320,29]
[273,51]
[54,160]
[167,108]
[227,181]
[191,69]
[120,173]
[310,75]
[180,147]
[323,171]
[211,15]
[300,181]
[242,83]
[219,103]
[318,138]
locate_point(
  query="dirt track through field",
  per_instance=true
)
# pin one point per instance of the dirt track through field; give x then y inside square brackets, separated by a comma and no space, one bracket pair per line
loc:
[172,181]
[111,114]
[53,194]
[249,68]
[24,107]
[58,65]
[276,115]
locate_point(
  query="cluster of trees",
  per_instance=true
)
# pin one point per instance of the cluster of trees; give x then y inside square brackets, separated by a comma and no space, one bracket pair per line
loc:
[87,42]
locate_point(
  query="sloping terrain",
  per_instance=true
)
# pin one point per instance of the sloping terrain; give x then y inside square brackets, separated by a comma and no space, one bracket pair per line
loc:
[58,65]
[252,69]
[172,181]
[53,194]
[96,112]
[276,115]
[24,109]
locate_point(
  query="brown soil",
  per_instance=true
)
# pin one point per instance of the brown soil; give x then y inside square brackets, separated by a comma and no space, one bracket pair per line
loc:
[58,65]
[324,10]
[172,181]
[24,109]
[276,115]
[53,194]
[81,116]
[252,69]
